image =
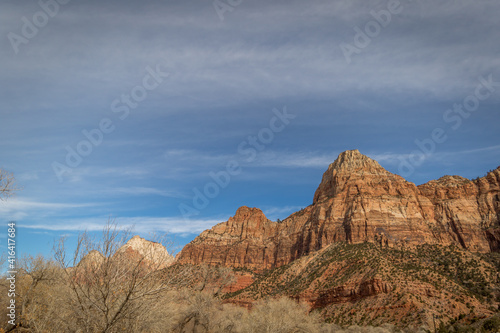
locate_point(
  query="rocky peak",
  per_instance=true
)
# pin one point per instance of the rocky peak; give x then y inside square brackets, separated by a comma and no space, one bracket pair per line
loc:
[353,160]
[351,168]
[137,242]
[246,223]
[245,240]
[246,214]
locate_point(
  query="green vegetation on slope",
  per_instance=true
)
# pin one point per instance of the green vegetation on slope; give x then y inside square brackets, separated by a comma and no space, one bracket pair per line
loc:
[369,284]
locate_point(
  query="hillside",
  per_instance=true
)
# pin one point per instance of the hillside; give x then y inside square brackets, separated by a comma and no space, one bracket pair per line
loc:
[370,284]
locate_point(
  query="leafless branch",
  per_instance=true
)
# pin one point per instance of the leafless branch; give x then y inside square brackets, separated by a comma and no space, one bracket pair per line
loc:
[7,184]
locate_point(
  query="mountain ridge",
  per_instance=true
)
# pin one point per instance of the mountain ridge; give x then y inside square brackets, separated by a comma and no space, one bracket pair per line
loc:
[356,201]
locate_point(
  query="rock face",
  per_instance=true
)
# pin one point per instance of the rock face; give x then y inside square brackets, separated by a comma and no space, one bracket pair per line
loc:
[246,240]
[359,201]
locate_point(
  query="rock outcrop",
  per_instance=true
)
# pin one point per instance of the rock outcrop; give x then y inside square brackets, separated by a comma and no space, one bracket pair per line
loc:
[245,240]
[359,201]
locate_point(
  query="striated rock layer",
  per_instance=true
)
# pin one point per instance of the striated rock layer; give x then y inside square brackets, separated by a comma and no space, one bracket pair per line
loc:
[359,201]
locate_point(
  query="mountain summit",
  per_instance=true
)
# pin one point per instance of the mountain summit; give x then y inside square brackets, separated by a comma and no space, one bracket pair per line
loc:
[353,160]
[138,248]
[354,170]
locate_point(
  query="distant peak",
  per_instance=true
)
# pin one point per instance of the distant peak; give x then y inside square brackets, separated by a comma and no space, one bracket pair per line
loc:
[92,258]
[151,251]
[138,241]
[135,240]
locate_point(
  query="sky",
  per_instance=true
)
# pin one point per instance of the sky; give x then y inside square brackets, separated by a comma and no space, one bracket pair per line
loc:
[166,116]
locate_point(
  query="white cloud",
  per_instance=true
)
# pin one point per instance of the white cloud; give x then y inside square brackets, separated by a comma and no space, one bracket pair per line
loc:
[287,159]
[27,204]
[19,208]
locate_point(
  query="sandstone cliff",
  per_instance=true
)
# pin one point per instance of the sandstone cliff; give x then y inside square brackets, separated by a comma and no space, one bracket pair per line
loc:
[359,201]
[246,240]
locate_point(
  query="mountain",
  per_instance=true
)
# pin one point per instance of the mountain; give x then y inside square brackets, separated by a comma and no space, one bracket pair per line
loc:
[372,248]
[359,201]
[135,250]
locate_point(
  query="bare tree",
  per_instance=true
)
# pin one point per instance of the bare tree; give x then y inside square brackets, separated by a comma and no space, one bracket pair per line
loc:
[36,293]
[201,312]
[281,315]
[7,184]
[200,307]
[36,271]
[109,287]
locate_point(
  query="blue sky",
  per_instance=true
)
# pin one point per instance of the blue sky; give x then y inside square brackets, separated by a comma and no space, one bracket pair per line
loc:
[170,93]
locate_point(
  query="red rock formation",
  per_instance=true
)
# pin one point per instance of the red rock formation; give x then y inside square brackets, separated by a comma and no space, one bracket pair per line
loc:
[243,280]
[246,240]
[359,201]
[466,212]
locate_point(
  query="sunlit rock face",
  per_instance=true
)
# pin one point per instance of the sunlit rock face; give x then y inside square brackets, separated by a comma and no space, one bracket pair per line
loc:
[359,201]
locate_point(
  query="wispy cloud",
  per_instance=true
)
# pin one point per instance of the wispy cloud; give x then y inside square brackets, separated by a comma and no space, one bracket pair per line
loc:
[141,225]
[477,150]
[19,208]
[141,191]
[27,204]
[287,159]
[310,159]
[268,158]
[280,212]
[395,158]
[84,173]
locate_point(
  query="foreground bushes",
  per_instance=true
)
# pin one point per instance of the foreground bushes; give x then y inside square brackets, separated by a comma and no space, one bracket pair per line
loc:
[184,311]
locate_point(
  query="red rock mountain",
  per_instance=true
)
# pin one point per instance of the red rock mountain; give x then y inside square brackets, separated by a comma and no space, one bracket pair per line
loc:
[359,201]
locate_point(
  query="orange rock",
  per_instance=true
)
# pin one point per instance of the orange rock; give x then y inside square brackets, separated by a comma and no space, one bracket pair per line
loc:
[243,280]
